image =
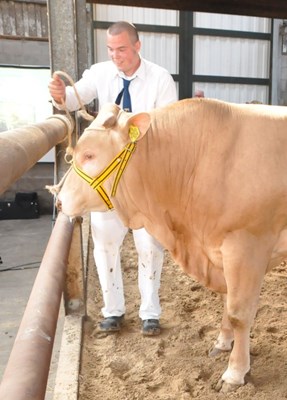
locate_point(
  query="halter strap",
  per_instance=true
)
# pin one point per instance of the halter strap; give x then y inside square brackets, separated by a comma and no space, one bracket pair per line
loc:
[119,162]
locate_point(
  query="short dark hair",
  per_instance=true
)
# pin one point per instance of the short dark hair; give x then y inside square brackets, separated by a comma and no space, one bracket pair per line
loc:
[124,26]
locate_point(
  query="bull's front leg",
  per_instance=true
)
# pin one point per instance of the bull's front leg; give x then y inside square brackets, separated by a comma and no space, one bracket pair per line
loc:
[245,258]
[225,339]
[239,360]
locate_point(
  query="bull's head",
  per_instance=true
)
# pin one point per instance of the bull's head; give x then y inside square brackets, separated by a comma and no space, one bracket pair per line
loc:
[86,186]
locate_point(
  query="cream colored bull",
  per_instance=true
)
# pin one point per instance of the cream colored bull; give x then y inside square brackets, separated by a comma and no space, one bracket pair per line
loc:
[206,178]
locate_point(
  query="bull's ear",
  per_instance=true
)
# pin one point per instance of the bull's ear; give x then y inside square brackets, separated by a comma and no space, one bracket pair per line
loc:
[141,121]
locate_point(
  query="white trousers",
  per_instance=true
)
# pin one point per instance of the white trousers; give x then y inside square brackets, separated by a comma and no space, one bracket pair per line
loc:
[108,233]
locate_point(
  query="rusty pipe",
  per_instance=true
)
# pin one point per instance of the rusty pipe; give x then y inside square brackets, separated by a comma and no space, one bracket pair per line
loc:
[21,148]
[27,370]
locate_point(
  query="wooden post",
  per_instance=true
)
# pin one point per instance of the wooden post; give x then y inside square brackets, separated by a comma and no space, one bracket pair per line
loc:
[68,51]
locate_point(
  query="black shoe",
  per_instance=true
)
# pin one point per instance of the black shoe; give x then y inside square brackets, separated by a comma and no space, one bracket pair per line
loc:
[150,327]
[111,324]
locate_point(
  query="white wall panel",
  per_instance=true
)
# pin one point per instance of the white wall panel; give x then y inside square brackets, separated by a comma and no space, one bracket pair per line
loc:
[100,41]
[233,92]
[137,15]
[212,56]
[159,48]
[162,49]
[231,57]
[232,22]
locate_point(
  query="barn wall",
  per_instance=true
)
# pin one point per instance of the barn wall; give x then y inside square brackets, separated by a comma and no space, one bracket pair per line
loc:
[246,42]
[24,52]
[158,47]
[24,19]
[24,42]
[24,33]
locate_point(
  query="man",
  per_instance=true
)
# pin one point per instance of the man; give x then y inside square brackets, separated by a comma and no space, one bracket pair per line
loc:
[149,86]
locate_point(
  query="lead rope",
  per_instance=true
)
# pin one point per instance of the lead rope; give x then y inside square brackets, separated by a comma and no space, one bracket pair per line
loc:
[69,150]
[83,112]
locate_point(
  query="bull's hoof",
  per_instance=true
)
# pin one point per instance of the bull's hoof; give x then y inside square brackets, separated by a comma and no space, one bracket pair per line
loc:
[221,347]
[224,387]
[215,352]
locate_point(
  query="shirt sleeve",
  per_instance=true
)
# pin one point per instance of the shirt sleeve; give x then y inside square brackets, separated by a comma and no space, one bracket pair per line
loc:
[166,91]
[86,89]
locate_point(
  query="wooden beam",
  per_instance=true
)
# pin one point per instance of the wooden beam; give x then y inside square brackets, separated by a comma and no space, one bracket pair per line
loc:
[259,8]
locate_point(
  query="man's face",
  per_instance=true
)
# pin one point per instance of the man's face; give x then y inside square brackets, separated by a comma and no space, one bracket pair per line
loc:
[123,52]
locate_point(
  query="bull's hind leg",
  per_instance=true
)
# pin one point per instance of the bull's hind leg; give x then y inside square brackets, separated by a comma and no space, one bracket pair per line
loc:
[245,259]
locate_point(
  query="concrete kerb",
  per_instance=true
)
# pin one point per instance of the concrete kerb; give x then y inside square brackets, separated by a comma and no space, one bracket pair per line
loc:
[67,377]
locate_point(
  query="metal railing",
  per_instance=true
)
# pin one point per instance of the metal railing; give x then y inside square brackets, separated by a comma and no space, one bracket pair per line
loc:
[21,148]
[27,370]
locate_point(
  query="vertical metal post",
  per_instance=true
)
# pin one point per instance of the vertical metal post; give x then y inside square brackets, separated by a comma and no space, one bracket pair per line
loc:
[186,54]
[82,35]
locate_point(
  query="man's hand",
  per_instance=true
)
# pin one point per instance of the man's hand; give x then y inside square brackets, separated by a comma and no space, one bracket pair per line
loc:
[57,88]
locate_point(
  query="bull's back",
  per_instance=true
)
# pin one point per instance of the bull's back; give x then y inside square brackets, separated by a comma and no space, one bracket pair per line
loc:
[228,161]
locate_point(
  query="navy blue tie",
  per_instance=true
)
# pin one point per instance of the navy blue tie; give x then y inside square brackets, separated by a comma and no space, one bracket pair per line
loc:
[127,105]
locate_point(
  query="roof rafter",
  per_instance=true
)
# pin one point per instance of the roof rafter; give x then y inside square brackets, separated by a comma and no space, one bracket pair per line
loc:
[259,8]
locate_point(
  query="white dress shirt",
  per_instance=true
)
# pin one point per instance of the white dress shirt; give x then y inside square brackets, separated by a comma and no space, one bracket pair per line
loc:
[151,87]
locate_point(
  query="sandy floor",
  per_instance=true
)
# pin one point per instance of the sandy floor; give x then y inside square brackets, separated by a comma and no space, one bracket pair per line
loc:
[175,365]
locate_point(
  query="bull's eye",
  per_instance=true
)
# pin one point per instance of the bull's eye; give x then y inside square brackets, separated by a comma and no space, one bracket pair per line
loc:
[88,156]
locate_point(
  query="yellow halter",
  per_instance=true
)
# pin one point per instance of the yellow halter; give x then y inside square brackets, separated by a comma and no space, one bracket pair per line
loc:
[119,162]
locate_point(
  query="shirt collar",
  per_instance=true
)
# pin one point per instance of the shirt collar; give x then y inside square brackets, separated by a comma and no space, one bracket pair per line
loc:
[140,72]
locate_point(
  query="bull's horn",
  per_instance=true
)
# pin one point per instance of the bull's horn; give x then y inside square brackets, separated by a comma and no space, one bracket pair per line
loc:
[107,116]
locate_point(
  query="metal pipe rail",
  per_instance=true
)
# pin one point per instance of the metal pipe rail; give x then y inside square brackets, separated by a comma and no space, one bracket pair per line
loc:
[26,374]
[21,148]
